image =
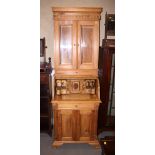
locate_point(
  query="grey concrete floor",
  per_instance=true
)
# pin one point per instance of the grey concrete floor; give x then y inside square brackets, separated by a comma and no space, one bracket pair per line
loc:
[65,149]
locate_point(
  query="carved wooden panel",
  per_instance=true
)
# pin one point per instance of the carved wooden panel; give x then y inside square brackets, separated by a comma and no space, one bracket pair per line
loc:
[77,17]
[76,13]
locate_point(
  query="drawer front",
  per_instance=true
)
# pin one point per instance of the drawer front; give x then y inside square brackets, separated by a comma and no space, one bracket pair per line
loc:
[75,106]
[44,79]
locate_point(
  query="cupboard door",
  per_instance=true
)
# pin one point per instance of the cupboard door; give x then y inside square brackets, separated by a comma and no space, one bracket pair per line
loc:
[87,125]
[65,122]
[88,44]
[65,44]
[75,125]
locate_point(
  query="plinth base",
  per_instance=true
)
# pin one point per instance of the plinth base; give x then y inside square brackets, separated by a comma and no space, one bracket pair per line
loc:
[95,143]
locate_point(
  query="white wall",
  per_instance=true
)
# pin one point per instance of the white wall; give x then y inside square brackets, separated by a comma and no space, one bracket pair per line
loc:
[46,17]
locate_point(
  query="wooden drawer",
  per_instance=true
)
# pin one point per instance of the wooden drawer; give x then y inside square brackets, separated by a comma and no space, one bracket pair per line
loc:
[75,106]
[44,79]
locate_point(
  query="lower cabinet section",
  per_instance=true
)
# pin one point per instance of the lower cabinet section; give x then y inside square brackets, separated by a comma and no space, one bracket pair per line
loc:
[75,125]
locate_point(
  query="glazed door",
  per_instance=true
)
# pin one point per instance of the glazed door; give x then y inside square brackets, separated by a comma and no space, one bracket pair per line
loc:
[88,44]
[65,44]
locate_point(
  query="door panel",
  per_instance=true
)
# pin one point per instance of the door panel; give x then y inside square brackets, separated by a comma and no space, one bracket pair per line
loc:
[86,44]
[66,44]
[85,124]
[88,38]
[65,39]
[66,124]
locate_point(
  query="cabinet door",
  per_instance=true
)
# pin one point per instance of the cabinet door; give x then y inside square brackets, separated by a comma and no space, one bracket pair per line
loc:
[65,44]
[75,125]
[65,124]
[88,44]
[87,123]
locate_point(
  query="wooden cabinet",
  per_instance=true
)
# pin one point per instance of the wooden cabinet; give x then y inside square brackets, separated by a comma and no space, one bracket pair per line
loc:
[45,107]
[76,97]
[106,78]
[76,44]
[75,122]
[76,40]
[45,91]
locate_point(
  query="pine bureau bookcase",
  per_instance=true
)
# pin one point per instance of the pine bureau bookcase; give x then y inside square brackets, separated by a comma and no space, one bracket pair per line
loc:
[76,88]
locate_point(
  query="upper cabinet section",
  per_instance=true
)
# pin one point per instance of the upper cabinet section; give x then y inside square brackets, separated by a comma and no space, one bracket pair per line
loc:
[76,40]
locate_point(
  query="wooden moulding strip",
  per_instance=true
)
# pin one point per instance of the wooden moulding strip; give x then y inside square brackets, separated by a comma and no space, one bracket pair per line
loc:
[94,143]
[78,13]
[77,9]
[77,73]
[77,77]
[97,101]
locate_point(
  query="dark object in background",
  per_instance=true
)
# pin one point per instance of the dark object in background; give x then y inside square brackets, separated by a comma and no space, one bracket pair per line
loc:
[106,74]
[109,25]
[45,91]
[108,145]
[105,120]
[42,47]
